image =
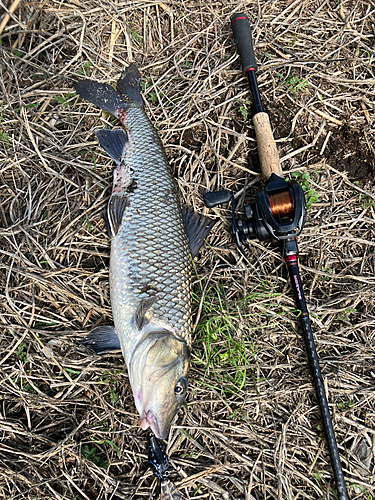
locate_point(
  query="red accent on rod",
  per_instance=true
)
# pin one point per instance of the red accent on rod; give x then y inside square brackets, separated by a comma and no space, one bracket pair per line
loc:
[290,258]
[237,18]
[250,69]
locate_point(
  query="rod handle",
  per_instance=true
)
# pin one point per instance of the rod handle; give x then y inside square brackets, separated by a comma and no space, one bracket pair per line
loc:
[244,41]
[267,150]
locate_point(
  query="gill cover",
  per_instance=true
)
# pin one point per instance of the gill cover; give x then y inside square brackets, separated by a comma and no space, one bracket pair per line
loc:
[158,373]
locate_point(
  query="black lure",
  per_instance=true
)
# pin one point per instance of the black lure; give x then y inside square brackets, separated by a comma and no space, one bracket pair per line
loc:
[158,460]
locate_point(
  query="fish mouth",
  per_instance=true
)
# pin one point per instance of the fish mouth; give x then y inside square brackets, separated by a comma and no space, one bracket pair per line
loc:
[149,420]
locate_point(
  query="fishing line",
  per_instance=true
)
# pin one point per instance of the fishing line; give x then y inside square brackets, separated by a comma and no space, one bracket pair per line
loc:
[281,205]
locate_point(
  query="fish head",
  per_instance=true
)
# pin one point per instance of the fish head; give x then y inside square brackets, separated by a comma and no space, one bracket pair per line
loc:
[158,375]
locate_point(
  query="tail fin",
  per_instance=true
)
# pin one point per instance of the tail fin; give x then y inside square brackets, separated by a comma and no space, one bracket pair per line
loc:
[169,491]
[129,84]
[101,94]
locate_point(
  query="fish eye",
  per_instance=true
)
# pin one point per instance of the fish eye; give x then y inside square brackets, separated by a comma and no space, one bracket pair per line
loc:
[181,387]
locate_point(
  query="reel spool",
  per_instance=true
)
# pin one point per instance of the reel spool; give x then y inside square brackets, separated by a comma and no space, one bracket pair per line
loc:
[281,205]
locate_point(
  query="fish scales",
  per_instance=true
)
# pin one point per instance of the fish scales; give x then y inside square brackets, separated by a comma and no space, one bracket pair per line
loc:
[150,254]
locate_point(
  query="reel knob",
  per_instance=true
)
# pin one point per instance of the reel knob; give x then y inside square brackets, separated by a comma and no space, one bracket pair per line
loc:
[214,198]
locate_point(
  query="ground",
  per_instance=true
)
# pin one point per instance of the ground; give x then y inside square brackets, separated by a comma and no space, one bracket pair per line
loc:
[250,428]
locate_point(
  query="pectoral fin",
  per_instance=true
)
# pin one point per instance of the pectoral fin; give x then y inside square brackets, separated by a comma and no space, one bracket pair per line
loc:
[140,313]
[197,228]
[101,339]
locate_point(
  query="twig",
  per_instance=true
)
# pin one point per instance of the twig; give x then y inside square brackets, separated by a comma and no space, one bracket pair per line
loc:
[7,16]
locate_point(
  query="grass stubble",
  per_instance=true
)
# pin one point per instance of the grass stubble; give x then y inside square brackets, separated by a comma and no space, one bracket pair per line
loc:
[250,428]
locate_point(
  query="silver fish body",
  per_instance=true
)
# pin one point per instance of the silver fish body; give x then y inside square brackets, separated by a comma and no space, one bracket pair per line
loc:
[150,267]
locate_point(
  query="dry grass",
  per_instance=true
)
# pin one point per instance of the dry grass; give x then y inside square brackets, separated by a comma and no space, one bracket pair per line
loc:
[66,415]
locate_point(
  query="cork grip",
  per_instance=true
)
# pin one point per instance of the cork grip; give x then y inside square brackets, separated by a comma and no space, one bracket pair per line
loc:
[267,151]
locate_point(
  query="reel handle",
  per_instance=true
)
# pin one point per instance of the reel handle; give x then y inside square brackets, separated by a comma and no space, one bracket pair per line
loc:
[244,41]
[267,150]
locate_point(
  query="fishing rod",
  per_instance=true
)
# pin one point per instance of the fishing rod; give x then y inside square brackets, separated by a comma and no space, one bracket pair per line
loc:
[278,214]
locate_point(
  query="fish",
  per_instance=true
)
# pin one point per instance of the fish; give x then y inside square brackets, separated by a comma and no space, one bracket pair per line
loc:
[153,242]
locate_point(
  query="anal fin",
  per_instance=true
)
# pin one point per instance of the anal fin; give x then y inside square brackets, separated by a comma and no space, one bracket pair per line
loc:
[101,339]
[114,142]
